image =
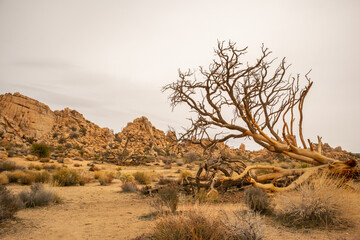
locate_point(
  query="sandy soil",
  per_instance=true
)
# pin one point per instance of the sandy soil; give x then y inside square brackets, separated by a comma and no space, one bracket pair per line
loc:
[103,212]
[88,212]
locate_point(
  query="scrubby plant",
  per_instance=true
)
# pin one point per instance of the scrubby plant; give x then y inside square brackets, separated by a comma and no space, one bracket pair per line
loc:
[73,128]
[185,174]
[38,196]
[105,178]
[244,225]
[66,177]
[14,176]
[189,225]
[322,202]
[40,150]
[8,165]
[26,179]
[74,135]
[9,203]
[126,177]
[169,197]
[129,187]
[35,167]
[42,177]
[256,199]
[144,177]
[3,179]
[191,157]
[83,131]
[62,140]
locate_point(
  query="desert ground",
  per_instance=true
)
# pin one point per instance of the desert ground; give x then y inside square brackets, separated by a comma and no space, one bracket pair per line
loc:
[105,212]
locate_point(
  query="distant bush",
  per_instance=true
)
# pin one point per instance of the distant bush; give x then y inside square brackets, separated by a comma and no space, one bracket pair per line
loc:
[56,134]
[191,157]
[3,179]
[42,177]
[105,178]
[35,167]
[256,199]
[14,176]
[66,177]
[144,177]
[62,140]
[126,177]
[322,202]
[38,196]
[129,187]
[185,174]
[26,179]
[8,165]
[40,150]
[83,131]
[73,128]
[9,203]
[73,135]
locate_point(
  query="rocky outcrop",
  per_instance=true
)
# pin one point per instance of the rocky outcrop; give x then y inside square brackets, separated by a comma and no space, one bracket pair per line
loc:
[22,117]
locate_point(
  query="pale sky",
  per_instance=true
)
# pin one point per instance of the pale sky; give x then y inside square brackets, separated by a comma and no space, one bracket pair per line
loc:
[109,59]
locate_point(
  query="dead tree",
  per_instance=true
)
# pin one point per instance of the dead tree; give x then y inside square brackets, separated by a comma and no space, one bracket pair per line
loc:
[239,99]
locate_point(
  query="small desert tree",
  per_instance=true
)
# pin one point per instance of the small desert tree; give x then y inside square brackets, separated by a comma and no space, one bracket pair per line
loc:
[251,100]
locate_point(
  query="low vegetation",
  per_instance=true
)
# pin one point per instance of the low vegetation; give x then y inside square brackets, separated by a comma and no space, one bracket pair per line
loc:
[129,187]
[256,199]
[67,177]
[144,177]
[9,203]
[38,196]
[40,150]
[322,202]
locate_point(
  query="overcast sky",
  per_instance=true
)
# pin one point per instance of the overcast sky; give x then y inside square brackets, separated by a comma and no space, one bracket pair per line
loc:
[109,59]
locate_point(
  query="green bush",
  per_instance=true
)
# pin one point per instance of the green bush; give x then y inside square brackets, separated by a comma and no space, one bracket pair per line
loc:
[9,203]
[40,150]
[38,196]
[66,177]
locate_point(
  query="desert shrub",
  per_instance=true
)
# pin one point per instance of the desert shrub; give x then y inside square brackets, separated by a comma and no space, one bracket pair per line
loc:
[55,134]
[73,128]
[9,203]
[51,166]
[256,199]
[244,225]
[126,177]
[85,177]
[191,157]
[167,166]
[40,150]
[42,177]
[129,187]
[144,177]
[83,131]
[3,179]
[26,179]
[73,135]
[35,167]
[8,165]
[105,178]
[38,196]
[68,145]
[189,225]
[66,177]
[185,174]
[321,202]
[62,140]
[169,197]
[15,176]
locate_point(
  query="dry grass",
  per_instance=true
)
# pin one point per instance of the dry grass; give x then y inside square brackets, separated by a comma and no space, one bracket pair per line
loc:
[144,177]
[38,196]
[126,177]
[3,179]
[129,187]
[322,202]
[189,225]
[256,199]
[9,203]
[66,177]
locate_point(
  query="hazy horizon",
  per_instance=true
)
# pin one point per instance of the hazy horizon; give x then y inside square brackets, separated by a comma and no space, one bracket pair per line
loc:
[109,59]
